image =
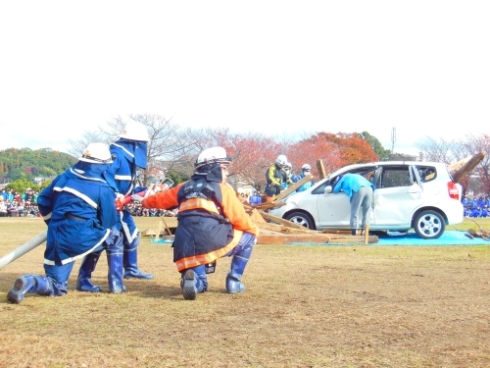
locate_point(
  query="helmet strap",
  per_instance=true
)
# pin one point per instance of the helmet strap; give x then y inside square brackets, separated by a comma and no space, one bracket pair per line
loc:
[213,172]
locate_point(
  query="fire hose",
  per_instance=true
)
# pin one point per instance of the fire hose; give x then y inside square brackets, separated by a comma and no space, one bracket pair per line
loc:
[23,249]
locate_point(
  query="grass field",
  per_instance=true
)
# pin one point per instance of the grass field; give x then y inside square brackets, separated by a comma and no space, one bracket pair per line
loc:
[312,306]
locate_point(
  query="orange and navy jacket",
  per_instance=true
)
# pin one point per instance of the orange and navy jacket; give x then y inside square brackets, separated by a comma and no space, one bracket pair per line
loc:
[210,224]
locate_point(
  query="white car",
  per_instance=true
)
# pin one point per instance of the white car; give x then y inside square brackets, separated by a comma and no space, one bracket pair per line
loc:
[408,194]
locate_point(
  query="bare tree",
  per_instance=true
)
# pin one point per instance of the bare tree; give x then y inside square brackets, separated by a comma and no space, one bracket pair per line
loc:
[452,151]
[168,147]
[471,145]
[195,140]
[438,150]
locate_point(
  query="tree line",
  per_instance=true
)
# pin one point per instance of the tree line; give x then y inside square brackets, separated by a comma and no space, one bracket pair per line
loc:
[21,167]
[173,149]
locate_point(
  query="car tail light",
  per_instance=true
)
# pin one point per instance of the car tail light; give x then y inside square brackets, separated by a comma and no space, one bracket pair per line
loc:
[453,190]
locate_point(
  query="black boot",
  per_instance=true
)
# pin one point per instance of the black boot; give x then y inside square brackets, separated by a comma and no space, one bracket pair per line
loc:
[29,284]
[194,281]
[85,274]
[189,285]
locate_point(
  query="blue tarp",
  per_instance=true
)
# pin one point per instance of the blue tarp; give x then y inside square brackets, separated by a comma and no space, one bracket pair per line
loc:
[449,238]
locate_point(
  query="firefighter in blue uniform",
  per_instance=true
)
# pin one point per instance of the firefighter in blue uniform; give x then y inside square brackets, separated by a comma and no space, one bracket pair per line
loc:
[129,154]
[78,207]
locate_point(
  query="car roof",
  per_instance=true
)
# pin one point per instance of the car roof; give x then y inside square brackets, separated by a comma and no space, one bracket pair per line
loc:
[385,163]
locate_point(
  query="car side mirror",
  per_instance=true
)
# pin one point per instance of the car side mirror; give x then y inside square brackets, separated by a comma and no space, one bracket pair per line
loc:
[328,189]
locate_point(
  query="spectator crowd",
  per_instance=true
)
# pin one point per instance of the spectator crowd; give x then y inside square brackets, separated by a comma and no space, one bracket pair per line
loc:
[13,204]
[136,209]
[479,207]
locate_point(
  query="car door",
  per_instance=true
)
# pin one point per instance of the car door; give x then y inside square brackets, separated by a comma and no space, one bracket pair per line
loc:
[334,208]
[398,193]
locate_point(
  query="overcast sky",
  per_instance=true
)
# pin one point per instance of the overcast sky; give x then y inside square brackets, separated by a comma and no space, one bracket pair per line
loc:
[422,67]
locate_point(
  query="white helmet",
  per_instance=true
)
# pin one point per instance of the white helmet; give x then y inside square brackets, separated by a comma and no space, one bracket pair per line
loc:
[305,167]
[281,160]
[288,166]
[97,153]
[212,155]
[135,131]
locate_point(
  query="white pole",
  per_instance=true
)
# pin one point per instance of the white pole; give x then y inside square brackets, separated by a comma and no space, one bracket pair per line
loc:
[23,249]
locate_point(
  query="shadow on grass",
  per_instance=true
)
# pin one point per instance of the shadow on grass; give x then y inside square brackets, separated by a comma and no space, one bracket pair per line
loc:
[153,289]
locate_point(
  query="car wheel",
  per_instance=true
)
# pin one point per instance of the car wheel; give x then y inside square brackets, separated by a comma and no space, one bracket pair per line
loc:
[429,225]
[302,219]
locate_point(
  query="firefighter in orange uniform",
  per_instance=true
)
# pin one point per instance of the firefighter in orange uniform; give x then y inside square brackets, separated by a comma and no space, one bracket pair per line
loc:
[212,224]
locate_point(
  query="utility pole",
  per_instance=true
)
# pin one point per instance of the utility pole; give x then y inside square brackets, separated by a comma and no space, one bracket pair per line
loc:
[393,139]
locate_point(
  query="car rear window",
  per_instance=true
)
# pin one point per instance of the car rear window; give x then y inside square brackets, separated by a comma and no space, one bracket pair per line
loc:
[427,173]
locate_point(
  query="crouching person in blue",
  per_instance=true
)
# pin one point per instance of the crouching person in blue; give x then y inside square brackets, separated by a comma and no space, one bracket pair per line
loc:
[78,207]
[212,224]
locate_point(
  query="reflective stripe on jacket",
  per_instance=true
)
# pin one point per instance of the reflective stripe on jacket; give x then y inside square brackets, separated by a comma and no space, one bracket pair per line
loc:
[210,225]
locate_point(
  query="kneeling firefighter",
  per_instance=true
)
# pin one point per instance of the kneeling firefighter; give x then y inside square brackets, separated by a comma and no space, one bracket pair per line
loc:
[212,224]
[78,207]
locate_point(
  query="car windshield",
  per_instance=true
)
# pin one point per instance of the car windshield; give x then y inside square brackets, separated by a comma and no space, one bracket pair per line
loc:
[367,171]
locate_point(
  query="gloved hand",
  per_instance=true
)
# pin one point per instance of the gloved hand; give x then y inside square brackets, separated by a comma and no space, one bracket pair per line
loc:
[120,202]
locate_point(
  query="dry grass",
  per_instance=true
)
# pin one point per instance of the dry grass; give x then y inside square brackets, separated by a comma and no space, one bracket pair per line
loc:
[312,306]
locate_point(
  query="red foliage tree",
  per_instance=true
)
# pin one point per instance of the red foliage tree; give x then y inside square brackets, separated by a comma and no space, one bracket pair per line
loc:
[355,150]
[335,151]
[252,154]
